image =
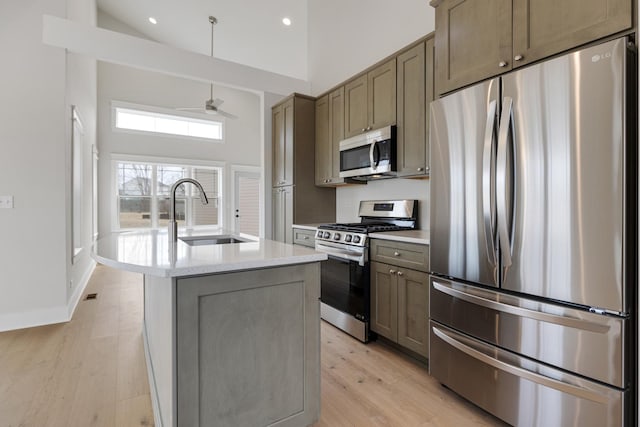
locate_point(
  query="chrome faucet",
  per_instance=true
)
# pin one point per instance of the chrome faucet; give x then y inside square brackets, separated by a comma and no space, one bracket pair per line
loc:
[173,224]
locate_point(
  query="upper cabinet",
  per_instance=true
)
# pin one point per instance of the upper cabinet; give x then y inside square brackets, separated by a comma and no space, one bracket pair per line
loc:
[329,133]
[414,93]
[295,198]
[370,100]
[477,39]
[282,128]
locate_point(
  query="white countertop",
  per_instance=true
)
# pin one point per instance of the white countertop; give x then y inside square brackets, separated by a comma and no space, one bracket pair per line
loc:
[420,237]
[312,227]
[149,252]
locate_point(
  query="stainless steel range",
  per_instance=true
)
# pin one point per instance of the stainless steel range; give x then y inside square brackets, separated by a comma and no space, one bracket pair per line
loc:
[345,296]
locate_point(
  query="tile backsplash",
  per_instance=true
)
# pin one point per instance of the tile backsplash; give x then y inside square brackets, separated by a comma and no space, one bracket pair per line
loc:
[348,198]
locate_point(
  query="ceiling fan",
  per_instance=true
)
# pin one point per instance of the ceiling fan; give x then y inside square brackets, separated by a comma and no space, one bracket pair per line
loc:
[211,106]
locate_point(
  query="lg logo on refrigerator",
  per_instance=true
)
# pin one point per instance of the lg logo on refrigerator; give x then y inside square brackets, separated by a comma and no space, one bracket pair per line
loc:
[596,58]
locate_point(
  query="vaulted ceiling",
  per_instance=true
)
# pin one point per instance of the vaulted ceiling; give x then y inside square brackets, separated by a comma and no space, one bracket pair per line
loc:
[249,32]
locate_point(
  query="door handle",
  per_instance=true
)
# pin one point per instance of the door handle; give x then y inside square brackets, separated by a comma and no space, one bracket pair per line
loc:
[506,121]
[488,182]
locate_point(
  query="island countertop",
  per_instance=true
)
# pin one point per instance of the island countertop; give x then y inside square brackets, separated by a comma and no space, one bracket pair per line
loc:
[149,252]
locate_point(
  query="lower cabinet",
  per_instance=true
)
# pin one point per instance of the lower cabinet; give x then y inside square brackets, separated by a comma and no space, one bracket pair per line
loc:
[304,237]
[400,306]
[282,203]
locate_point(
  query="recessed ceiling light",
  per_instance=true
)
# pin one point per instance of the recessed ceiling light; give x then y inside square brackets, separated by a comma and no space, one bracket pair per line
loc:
[286,21]
[153,20]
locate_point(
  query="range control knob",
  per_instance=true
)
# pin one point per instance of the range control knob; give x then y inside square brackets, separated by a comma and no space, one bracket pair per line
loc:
[356,239]
[327,235]
[319,234]
[336,236]
[347,238]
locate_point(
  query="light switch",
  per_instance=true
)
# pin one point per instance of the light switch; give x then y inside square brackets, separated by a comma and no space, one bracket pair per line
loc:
[6,202]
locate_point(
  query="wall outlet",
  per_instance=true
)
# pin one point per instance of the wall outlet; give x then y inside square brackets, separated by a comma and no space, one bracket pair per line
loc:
[6,202]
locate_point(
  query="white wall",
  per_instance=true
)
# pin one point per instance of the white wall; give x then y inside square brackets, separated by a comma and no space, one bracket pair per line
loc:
[348,198]
[35,262]
[345,37]
[243,136]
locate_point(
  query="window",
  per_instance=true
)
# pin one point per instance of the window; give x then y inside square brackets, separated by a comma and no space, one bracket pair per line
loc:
[157,120]
[143,195]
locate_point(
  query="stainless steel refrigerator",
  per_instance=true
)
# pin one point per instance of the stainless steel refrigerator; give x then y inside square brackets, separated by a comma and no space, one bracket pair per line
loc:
[533,241]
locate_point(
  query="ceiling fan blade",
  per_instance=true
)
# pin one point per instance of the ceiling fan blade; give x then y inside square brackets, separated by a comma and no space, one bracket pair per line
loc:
[217,102]
[227,115]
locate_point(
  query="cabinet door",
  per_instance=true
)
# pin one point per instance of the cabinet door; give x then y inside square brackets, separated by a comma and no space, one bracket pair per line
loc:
[384,300]
[546,27]
[336,132]
[473,41]
[288,109]
[282,217]
[355,106]
[257,360]
[413,310]
[277,217]
[278,145]
[381,95]
[323,147]
[412,136]
[287,196]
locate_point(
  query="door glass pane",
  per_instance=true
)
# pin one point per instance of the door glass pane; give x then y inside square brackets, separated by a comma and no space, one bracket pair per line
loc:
[248,204]
[134,195]
[206,214]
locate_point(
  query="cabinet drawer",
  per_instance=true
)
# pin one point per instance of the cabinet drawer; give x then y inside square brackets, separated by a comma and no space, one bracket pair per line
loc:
[408,255]
[304,237]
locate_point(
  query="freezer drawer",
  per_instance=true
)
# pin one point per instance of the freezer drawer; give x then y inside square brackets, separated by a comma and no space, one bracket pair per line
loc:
[578,341]
[519,390]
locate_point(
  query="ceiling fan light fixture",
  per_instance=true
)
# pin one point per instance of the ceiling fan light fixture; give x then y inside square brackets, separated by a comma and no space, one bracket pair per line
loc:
[286,21]
[153,20]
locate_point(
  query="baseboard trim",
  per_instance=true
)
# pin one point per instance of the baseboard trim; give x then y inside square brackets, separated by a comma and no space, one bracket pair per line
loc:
[30,319]
[84,281]
[152,381]
[49,315]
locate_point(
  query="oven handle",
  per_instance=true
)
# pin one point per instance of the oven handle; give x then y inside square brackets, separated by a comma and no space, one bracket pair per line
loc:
[341,253]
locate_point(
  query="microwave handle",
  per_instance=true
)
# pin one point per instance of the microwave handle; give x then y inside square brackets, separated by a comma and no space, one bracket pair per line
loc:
[374,155]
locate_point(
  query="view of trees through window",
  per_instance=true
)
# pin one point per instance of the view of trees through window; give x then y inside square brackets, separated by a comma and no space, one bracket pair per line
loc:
[143,195]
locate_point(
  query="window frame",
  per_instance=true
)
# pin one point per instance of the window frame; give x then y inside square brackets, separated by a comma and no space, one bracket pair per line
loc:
[148,109]
[116,159]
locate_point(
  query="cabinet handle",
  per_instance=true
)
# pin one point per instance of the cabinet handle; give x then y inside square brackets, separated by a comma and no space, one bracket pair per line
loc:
[518,58]
[502,64]
[364,129]
[368,127]
[420,169]
[400,273]
[306,237]
[396,253]
[392,272]
[329,180]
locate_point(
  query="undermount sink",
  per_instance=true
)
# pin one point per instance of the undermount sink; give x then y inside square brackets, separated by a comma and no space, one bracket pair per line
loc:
[218,239]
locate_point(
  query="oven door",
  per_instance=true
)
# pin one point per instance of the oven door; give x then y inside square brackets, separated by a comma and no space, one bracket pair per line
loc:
[344,292]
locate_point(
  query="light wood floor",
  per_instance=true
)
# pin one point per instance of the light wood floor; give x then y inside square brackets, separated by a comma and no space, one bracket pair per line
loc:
[91,372]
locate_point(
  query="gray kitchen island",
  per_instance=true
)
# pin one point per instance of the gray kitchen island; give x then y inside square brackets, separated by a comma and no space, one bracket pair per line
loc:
[231,330]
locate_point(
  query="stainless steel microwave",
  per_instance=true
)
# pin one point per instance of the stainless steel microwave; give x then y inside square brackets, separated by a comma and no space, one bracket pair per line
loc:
[370,155]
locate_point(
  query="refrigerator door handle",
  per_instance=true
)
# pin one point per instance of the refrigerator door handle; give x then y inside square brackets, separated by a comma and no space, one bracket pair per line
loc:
[488,182]
[520,372]
[569,322]
[506,121]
